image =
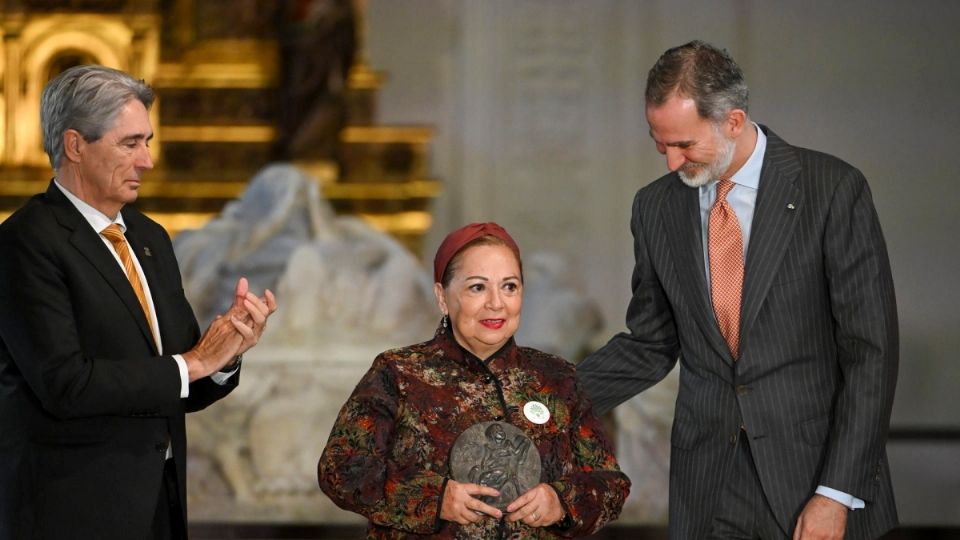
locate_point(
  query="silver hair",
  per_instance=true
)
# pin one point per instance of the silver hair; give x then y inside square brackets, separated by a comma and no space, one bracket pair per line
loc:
[87,99]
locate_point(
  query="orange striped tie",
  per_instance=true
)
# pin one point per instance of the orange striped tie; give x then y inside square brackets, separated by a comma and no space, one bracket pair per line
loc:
[725,249]
[115,236]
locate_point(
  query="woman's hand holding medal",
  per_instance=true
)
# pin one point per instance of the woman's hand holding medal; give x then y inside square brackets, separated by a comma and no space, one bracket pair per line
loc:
[539,507]
[461,503]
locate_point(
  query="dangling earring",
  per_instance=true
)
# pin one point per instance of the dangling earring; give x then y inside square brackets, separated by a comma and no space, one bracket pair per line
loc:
[445,321]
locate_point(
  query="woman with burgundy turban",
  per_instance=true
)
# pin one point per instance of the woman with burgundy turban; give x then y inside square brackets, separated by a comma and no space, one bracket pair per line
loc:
[389,453]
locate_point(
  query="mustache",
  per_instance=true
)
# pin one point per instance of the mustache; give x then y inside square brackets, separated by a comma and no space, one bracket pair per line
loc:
[690,165]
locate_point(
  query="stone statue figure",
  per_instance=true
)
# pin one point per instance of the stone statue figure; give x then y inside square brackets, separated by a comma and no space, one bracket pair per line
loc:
[254,235]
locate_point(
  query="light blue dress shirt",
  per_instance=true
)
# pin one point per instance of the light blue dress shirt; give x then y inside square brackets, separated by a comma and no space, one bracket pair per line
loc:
[742,198]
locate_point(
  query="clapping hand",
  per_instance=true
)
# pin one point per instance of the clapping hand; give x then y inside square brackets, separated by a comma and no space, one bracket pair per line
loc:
[232,333]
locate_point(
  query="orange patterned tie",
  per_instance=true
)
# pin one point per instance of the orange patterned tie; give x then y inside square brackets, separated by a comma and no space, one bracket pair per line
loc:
[115,236]
[725,248]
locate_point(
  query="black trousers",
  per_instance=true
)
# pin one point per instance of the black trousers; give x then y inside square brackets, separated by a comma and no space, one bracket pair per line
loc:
[168,520]
[743,511]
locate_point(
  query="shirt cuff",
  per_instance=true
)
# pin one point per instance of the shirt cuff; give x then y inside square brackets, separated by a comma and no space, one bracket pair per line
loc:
[222,377]
[184,376]
[845,499]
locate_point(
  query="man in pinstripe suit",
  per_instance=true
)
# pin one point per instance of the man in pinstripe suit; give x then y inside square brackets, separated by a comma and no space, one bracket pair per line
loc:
[780,429]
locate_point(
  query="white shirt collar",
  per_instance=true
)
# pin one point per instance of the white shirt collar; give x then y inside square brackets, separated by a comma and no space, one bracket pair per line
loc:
[97,219]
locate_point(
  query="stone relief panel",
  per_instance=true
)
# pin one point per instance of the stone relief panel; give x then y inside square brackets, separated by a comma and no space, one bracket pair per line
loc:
[547,78]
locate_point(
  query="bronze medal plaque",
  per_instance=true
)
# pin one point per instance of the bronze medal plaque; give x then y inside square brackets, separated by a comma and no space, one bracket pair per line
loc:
[498,455]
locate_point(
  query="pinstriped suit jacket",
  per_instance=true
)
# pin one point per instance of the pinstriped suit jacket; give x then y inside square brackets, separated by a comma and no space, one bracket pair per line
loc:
[815,381]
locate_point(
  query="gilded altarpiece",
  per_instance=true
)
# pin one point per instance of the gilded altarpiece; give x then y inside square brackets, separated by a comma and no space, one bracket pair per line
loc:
[240,84]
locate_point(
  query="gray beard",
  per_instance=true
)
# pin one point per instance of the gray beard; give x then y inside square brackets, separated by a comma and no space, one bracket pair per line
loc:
[701,174]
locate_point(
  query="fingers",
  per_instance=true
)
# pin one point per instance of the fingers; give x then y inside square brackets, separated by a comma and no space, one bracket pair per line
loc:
[243,287]
[538,507]
[475,506]
[244,330]
[480,508]
[521,501]
[270,300]
[476,490]
[532,516]
[257,310]
[266,305]
[249,308]
[250,334]
[242,293]
[461,505]
[239,311]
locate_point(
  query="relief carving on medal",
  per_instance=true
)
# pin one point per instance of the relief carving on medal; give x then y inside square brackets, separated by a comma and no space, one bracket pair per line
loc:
[498,455]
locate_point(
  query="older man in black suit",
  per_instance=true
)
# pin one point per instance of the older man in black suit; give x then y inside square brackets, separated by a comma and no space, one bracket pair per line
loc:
[100,354]
[762,268]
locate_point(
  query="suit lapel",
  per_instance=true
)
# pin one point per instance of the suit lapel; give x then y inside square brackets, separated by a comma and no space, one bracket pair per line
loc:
[89,244]
[779,202]
[684,233]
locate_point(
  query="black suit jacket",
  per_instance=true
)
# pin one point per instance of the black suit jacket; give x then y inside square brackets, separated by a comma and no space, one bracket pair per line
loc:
[87,405]
[815,380]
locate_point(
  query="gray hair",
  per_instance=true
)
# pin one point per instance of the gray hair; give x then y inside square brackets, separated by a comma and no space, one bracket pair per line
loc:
[702,72]
[87,99]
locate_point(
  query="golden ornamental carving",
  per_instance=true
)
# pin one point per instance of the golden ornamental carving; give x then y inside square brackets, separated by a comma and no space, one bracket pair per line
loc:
[218,73]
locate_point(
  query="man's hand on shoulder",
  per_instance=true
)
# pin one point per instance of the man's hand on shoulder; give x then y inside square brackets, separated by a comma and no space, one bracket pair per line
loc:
[821,519]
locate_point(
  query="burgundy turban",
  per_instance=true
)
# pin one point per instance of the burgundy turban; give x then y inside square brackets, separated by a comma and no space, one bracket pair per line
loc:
[455,241]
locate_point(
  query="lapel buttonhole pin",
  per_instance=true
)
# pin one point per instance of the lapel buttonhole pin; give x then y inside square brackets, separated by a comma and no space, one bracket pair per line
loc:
[790,206]
[146,251]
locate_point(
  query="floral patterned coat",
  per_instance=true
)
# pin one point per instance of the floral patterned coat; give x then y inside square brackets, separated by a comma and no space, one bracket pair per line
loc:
[388,453]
